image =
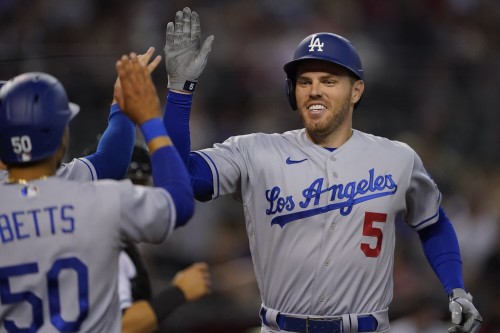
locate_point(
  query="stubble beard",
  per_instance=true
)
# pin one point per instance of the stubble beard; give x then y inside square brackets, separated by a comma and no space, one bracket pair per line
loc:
[318,130]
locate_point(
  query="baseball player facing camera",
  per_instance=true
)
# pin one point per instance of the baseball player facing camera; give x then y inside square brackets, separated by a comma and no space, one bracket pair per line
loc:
[320,202]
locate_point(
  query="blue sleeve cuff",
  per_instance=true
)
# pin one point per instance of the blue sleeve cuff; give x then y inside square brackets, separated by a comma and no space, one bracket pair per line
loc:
[153,128]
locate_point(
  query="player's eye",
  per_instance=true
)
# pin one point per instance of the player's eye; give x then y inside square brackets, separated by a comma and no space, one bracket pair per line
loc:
[303,82]
[330,82]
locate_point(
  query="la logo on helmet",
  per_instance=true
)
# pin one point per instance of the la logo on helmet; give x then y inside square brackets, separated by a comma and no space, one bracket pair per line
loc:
[315,42]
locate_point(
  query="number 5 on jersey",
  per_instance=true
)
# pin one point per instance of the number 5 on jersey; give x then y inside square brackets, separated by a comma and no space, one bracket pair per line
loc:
[371,231]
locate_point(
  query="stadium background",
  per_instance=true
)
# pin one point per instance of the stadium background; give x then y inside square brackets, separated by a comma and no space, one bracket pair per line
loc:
[432,80]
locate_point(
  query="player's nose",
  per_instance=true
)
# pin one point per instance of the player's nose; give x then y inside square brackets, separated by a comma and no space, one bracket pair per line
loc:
[316,89]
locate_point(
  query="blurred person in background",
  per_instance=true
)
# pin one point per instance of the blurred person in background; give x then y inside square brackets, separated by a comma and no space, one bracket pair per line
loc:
[143,311]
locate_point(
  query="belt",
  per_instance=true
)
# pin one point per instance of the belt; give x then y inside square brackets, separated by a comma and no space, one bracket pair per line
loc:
[366,323]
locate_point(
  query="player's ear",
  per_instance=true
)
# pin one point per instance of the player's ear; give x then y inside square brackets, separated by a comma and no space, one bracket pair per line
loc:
[357,90]
[290,93]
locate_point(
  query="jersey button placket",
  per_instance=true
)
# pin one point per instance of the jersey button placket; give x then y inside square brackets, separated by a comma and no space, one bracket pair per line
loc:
[334,174]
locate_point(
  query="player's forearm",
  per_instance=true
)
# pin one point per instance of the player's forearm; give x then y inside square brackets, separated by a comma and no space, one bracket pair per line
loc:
[169,172]
[164,303]
[146,316]
[139,318]
[115,147]
[176,120]
[441,249]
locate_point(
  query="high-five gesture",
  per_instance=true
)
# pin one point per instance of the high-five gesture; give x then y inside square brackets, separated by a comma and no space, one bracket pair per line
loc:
[185,58]
[138,98]
[144,61]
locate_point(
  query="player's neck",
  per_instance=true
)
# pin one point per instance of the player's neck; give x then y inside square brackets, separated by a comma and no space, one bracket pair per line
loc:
[39,170]
[333,140]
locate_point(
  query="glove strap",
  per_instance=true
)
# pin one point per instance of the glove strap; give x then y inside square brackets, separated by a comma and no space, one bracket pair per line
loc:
[189,86]
[178,83]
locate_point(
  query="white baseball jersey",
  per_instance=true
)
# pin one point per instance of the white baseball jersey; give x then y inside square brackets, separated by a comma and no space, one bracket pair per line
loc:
[59,246]
[321,224]
[126,272]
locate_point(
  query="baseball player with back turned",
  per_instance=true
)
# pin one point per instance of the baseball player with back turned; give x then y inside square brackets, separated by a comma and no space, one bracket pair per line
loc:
[320,202]
[112,157]
[60,239]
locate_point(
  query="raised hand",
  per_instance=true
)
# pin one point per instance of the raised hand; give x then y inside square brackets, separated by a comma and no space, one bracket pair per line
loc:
[185,58]
[144,61]
[137,96]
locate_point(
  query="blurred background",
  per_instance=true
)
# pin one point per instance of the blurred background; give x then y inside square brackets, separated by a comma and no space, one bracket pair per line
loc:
[432,80]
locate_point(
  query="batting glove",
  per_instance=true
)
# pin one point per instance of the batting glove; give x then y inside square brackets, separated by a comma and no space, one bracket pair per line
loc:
[184,58]
[464,314]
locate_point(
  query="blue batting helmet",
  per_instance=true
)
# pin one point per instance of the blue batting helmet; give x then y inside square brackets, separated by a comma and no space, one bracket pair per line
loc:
[322,46]
[34,111]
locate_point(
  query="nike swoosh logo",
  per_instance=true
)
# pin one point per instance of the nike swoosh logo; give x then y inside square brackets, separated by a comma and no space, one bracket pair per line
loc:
[290,161]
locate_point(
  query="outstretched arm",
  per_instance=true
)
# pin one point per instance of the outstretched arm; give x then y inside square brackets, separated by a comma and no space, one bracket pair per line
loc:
[139,101]
[185,60]
[114,150]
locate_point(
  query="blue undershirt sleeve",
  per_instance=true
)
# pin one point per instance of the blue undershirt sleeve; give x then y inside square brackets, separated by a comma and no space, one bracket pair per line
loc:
[114,150]
[440,245]
[201,178]
[176,120]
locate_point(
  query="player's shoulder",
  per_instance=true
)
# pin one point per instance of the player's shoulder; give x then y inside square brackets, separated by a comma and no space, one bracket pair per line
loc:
[79,169]
[384,142]
[258,138]
[99,188]
[111,184]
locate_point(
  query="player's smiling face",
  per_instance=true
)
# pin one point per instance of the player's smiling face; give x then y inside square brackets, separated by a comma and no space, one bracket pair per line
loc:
[325,94]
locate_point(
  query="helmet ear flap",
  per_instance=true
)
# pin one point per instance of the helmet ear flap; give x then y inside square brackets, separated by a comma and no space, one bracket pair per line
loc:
[290,93]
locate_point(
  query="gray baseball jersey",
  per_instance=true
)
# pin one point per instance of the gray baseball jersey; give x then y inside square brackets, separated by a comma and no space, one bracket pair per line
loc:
[78,169]
[59,246]
[321,224]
